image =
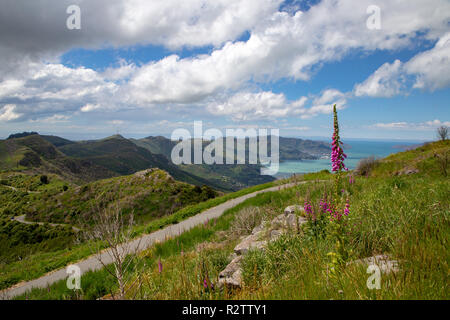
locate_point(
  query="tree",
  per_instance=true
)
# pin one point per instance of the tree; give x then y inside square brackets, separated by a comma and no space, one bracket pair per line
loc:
[119,259]
[442,132]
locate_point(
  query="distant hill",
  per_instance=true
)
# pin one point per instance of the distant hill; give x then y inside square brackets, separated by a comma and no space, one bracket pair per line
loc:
[57,141]
[21,135]
[123,157]
[290,148]
[34,154]
[85,161]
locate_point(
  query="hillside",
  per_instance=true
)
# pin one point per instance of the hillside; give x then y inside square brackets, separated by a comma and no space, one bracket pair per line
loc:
[431,159]
[35,155]
[148,194]
[400,214]
[123,157]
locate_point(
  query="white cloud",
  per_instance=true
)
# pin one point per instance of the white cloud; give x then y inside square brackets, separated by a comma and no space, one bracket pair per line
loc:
[281,45]
[387,81]
[325,102]
[427,125]
[8,113]
[288,46]
[430,70]
[245,106]
[432,67]
[90,107]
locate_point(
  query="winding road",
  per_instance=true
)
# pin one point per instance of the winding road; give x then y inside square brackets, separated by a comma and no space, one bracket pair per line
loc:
[138,244]
[21,219]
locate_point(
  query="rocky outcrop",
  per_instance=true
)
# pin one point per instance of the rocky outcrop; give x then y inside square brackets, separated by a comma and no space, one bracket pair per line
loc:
[231,276]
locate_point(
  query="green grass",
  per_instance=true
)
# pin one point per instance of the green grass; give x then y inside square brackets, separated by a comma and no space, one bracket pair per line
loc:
[192,210]
[404,216]
[413,229]
[101,283]
[38,264]
[149,197]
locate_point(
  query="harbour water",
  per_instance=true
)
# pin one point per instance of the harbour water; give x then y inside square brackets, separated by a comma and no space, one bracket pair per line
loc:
[355,150]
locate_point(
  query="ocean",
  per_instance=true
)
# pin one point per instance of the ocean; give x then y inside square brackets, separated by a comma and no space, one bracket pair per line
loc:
[355,150]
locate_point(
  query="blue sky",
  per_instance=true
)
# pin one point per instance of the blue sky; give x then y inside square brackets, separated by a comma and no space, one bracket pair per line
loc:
[140,68]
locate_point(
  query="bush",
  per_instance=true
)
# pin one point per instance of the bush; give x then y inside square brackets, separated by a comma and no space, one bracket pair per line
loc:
[245,221]
[44,179]
[365,166]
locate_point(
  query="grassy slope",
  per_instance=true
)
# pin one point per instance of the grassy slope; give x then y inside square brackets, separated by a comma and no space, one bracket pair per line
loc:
[406,216]
[148,196]
[35,155]
[39,263]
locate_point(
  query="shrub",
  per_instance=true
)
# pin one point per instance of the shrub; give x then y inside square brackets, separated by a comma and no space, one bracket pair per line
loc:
[245,221]
[365,166]
[442,133]
[443,161]
[44,179]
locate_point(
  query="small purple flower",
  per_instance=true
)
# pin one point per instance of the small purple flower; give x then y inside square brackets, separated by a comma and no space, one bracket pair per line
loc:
[205,284]
[160,266]
[347,208]
[308,208]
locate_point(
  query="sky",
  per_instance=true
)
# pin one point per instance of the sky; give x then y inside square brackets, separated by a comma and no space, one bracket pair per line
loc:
[141,68]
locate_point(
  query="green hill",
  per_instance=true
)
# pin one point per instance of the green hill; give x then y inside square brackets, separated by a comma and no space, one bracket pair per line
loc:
[149,194]
[123,157]
[33,154]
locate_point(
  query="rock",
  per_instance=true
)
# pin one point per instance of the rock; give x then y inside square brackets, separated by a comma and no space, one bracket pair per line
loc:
[258,239]
[274,234]
[382,261]
[289,221]
[259,228]
[407,171]
[250,242]
[232,274]
[293,209]
[144,173]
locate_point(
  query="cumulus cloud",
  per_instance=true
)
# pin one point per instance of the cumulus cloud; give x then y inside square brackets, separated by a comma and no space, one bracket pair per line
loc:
[8,113]
[37,29]
[432,67]
[281,44]
[386,81]
[325,102]
[429,70]
[245,106]
[289,46]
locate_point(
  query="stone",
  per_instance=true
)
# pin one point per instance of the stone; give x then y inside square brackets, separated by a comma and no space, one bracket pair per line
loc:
[274,234]
[293,209]
[288,221]
[232,274]
[250,242]
[259,228]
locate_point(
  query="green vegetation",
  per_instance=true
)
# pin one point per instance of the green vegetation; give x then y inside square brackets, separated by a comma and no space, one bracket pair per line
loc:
[148,194]
[37,263]
[404,215]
